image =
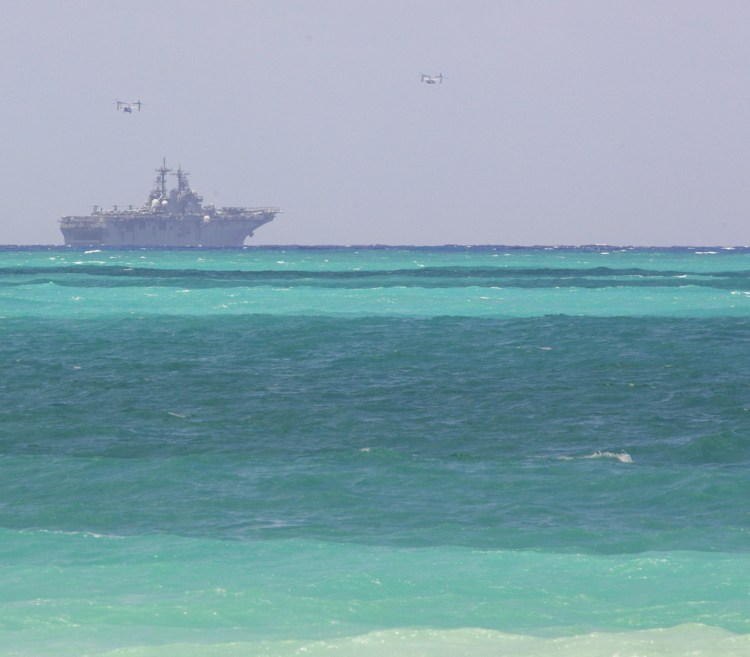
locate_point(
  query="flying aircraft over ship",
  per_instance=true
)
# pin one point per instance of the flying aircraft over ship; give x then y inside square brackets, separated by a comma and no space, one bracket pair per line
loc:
[431,79]
[128,108]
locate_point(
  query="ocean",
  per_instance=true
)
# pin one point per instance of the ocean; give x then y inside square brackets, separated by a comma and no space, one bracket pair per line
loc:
[375,452]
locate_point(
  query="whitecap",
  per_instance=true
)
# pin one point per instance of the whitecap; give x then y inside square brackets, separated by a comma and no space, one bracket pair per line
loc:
[623,456]
[64,532]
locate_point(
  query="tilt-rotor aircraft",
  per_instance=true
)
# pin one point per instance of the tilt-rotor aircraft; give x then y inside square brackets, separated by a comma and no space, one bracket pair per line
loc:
[128,108]
[431,79]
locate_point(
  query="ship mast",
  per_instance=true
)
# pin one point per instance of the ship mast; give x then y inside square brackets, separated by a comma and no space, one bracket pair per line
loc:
[182,183]
[161,179]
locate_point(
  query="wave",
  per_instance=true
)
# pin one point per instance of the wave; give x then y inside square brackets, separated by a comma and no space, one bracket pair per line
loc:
[88,274]
[696,640]
[622,457]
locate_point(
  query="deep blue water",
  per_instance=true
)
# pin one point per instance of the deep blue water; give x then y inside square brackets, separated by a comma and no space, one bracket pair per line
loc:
[380,451]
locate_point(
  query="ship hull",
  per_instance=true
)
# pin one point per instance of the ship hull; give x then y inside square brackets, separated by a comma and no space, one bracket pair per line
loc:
[161,231]
[168,218]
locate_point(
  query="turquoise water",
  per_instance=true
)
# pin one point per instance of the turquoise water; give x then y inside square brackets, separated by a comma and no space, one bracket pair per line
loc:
[353,451]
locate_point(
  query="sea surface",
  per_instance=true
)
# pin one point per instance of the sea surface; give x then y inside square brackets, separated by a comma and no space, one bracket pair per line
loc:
[375,452]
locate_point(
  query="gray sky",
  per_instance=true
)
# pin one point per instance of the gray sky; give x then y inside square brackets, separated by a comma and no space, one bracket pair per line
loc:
[559,122]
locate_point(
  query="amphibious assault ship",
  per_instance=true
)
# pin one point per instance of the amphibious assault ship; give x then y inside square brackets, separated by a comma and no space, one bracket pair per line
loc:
[174,218]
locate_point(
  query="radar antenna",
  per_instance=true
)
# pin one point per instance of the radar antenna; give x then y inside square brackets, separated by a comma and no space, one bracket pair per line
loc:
[161,179]
[182,181]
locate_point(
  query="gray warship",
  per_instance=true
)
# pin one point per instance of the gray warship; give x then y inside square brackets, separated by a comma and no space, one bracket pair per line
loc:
[174,218]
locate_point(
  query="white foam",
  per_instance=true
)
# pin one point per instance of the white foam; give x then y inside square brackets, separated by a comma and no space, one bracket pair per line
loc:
[63,532]
[694,640]
[623,457]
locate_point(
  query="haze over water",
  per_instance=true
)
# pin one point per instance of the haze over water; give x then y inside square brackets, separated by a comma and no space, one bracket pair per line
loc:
[361,451]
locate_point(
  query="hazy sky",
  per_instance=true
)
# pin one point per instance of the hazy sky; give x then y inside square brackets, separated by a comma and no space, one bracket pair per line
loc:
[559,122]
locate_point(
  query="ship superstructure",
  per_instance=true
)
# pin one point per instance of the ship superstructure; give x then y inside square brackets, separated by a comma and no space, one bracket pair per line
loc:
[175,217]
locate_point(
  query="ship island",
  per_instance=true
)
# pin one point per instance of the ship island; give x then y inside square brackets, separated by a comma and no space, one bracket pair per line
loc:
[171,218]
